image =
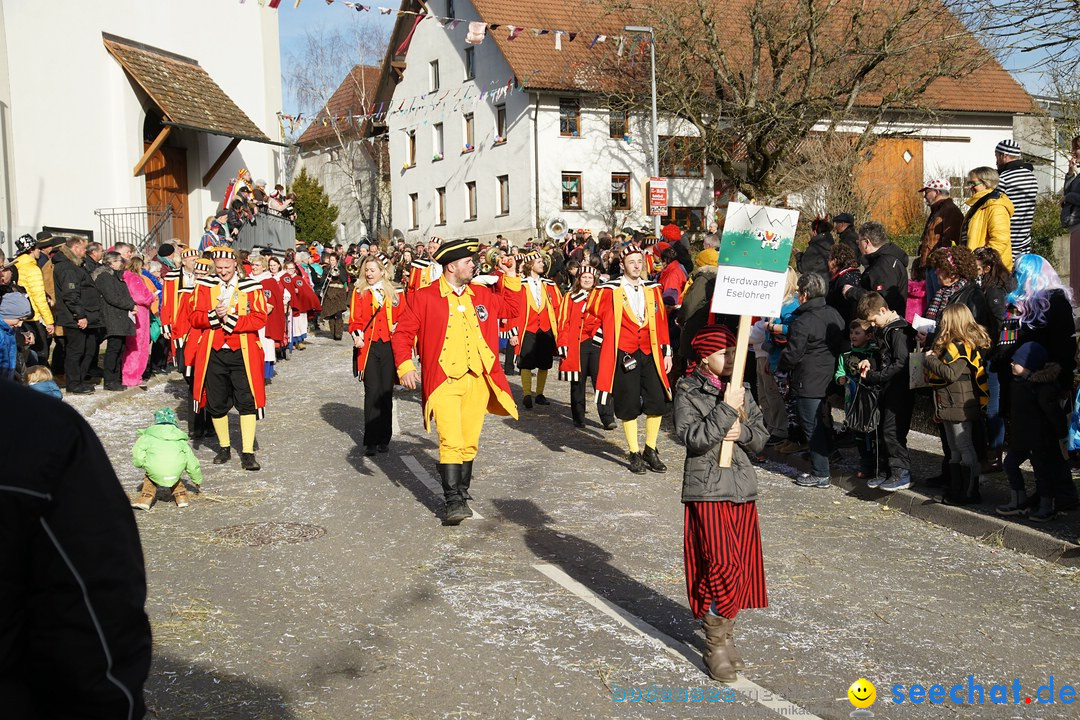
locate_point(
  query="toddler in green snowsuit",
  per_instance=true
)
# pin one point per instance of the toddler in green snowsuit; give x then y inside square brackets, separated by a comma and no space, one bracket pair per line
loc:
[162,450]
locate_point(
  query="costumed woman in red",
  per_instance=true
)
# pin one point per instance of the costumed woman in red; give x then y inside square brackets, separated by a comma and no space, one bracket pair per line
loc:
[579,348]
[273,335]
[372,310]
[722,540]
[304,300]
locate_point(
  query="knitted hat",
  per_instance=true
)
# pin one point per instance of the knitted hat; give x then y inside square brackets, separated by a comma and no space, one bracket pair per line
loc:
[1031,356]
[222,253]
[165,416]
[672,233]
[629,250]
[936,185]
[451,250]
[712,338]
[189,253]
[707,258]
[15,306]
[166,250]
[1008,146]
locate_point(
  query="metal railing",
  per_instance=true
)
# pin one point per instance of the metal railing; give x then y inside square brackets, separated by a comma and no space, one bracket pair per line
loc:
[143,227]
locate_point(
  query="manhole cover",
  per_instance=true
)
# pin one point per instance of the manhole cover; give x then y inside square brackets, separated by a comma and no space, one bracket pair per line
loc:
[271,533]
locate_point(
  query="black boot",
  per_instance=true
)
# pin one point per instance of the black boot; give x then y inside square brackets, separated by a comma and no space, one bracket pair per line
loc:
[652,459]
[223,456]
[637,464]
[466,480]
[248,461]
[963,488]
[455,504]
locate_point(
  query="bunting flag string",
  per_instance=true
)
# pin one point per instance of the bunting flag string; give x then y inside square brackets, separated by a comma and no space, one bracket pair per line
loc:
[476,30]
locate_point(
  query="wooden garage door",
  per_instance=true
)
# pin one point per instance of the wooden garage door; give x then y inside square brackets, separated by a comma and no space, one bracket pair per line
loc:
[890,179]
[167,186]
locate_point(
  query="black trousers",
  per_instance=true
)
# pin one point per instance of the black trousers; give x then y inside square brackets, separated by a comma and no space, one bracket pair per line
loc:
[537,350]
[638,391]
[590,367]
[227,384]
[94,338]
[896,406]
[111,365]
[379,375]
[79,344]
[337,326]
[58,365]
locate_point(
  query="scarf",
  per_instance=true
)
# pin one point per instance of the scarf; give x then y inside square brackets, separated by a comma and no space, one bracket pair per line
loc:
[941,298]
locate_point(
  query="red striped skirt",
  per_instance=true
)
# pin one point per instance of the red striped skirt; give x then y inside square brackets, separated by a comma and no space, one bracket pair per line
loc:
[722,549]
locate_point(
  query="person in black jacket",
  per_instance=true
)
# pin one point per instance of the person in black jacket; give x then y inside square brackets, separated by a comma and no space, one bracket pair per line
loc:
[116,308]
[815,339]
[843,226]
[843,271]
[996,283]
[78,311]
[886,269]
[815,258]
[74,636]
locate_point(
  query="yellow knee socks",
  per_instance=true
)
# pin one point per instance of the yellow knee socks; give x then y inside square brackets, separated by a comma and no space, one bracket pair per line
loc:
[526,382]
[247,433]
[541,380]
[652,430]
[630,428]
[221,427]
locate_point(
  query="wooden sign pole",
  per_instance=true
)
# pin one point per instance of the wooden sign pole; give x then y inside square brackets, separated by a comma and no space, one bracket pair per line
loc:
[742,346]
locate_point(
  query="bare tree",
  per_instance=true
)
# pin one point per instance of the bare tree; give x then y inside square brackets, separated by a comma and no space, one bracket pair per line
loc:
[1045,35]
[327,76]
[757,78]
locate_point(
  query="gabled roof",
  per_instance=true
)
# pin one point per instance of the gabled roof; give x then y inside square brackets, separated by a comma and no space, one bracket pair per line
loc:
[187,96]
[539,66]
[354,96]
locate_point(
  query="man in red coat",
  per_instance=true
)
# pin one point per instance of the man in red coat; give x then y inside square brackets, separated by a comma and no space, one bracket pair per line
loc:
[454,324]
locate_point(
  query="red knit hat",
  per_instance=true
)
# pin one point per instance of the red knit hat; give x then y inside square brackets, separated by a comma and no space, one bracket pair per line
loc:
[712,338]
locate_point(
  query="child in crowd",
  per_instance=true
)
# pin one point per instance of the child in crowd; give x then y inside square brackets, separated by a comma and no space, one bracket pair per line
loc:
[896,339]
[162,450]
[1038,433]
[861,414]
[955,369]
[14,309]
[40,378]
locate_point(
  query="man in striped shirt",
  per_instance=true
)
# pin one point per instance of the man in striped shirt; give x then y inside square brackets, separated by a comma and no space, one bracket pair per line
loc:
[1020,186]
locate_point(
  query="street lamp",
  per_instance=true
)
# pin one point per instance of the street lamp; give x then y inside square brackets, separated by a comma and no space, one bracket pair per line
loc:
[642,29]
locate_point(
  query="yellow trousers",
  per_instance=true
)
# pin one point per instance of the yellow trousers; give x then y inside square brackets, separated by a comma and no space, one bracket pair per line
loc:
[458,408]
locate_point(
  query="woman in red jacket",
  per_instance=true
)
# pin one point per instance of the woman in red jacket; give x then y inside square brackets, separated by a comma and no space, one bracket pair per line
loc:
[372,311]
[579,352]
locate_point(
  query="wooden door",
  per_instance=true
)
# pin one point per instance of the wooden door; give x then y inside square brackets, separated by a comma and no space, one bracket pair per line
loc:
[167,186]
[889,178]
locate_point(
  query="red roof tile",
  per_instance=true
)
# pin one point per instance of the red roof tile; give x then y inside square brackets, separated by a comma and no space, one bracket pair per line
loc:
[353,97]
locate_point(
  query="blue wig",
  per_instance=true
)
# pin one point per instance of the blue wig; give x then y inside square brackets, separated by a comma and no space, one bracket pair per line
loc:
[1036,280]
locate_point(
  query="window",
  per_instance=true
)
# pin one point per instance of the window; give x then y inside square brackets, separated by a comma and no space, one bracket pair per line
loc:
[410,148]
[437,141]
[620,191]
[414,216]
[440,206]
[433,76]
[504,194]
[682,157]
[571,191]
[470,199]
[470,63]
[569,117]
[618,124]
[450,9]
[467,132]
[500,124]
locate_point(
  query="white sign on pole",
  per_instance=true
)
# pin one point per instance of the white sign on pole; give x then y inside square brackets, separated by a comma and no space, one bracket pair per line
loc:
[753,260]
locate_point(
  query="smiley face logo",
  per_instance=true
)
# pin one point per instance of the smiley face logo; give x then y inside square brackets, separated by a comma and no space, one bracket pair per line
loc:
[862,693]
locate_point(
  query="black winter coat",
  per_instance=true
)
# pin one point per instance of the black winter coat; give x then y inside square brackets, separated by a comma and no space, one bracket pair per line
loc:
[895,343]
[815,259]
[76,295]
[701,421]
[116,302]
[851,238]
[72,568]
[996,304]
[835,297]
[886,273]
[972,296]
[815,340]
[1035,399]
[1056,335]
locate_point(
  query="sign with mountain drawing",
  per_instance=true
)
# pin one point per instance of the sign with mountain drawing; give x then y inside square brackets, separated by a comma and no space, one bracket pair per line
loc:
[754,252]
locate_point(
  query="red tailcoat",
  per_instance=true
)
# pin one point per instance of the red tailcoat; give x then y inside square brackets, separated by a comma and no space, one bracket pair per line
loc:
[372,321]
[303,295]
[419,275]
[275,311]
[239,329]
[176,288]
[575,327]
[424,322]
[529,319]
[608,303]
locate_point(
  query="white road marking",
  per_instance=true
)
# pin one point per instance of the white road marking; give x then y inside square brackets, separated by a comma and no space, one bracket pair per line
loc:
[675,648]
[429,480]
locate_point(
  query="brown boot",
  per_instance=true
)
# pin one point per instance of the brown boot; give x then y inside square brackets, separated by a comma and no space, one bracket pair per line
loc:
[715,656]
[732,651]
[180,495]
[147,494]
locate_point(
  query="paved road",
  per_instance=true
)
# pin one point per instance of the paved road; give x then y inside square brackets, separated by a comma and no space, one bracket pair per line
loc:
[568,591]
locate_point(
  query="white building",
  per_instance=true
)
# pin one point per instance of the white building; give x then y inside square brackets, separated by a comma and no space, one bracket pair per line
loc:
[469,157]
[87,89]
[354,170]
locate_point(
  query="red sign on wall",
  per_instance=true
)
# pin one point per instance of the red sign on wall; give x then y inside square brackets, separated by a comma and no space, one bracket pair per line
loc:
[658,196]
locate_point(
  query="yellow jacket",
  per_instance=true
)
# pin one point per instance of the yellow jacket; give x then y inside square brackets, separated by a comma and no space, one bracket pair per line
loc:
[30,278]
[989,225]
